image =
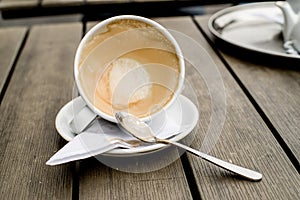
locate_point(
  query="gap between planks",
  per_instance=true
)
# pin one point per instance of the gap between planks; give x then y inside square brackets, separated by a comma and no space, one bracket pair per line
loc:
[12,69]
[260,111]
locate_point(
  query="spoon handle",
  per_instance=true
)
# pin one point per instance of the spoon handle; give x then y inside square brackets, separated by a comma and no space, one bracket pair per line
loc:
[247,173]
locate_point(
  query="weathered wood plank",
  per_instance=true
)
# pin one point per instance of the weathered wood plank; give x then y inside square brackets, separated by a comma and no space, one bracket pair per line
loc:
[29,21]
[106,1]
[276,90]
[245,138]
[151,0]
[62,2]
[41,84]
[99,182]
[11,40]
[20,1]
[18,4]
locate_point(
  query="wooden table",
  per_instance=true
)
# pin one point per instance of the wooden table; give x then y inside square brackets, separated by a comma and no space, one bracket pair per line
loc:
[261,129]
[98,9]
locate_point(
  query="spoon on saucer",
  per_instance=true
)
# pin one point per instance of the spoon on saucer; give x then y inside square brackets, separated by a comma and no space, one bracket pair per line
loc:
[143,132]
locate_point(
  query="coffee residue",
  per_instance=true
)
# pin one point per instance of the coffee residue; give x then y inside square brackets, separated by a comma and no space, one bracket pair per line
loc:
[141,43]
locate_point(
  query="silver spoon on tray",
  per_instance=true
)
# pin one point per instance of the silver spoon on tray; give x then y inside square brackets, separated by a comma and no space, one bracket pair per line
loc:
[143,132]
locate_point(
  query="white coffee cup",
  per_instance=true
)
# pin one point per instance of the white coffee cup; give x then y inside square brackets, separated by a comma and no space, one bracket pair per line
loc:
[126,62]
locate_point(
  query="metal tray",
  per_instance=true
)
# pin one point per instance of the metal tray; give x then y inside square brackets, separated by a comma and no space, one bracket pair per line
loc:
[254,26]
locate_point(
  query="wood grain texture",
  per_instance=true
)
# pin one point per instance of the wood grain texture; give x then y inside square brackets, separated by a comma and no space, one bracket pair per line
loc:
[11,40]
[41,84]
[62,2]
[97,181]
[20,1]
[276,90]
[90,25]
[245,139]
[30,21]
[18,4]
[151,0]
[95,2]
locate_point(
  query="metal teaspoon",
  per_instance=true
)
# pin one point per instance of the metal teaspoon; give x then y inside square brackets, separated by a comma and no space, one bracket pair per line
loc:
[143,132]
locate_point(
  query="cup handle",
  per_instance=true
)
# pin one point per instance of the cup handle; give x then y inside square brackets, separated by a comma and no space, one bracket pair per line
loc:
[82,116]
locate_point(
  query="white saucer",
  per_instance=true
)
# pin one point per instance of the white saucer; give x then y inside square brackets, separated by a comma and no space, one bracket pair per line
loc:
[183,111]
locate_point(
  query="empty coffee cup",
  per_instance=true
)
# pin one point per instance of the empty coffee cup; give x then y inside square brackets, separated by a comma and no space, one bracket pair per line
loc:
[126,63]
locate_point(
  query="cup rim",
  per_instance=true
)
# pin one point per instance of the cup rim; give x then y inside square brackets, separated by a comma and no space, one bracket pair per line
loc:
[153,23]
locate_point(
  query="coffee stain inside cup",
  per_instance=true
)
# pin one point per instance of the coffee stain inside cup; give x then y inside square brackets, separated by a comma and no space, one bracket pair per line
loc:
[129,65]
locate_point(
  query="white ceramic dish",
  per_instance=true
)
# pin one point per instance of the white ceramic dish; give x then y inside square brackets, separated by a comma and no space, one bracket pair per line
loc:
[182,110]
[255,26]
